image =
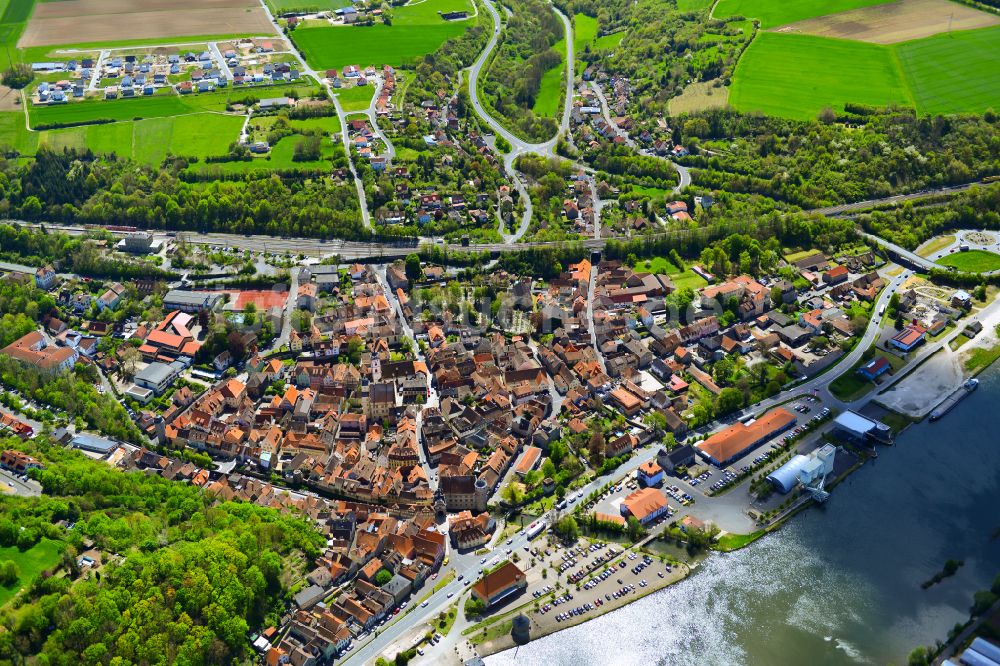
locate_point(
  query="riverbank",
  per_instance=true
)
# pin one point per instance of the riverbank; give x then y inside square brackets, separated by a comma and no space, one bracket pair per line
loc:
[840,584]
[945,371]
[498,637]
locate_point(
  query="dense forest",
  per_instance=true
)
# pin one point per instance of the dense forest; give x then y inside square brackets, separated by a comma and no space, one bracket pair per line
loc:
[184,579]
[513,78]
[77,187]
[909,225]
[815,164]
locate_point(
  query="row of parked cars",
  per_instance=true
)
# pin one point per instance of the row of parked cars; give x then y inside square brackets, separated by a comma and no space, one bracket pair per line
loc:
[579,610]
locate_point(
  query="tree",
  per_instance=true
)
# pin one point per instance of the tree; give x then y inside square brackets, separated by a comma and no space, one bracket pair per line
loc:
[413,269]
[18,75]
[729,400]
[9,573]
[656,420]
[474,607]
[634,528]
[130,361]
[382,577]
[567,528]
[595,449]
[512,494]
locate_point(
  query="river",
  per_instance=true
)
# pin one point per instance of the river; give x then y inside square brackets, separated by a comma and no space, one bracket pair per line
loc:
[838,585]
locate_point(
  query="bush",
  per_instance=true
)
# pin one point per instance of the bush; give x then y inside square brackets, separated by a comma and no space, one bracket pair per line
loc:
[18,76]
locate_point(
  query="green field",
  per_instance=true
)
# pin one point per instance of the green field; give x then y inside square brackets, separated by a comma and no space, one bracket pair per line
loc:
[796,76]
[396,45]
[609,41]
[693,5]
[355,99]
[584,32]
[280,157]
[31,562]
[415,31]
[550,92]
[282,6]
[686,279]
[779,12]
[973,261]
[955,72]
[150,140]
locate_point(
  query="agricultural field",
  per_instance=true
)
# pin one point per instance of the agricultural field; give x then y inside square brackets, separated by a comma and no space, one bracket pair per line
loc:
[80,21]
[827,73]
[955,72]
[895,22]
[415,31]
[773,13]
[396,45]
[44,555]
[149,141]
[283,6]
[973,261]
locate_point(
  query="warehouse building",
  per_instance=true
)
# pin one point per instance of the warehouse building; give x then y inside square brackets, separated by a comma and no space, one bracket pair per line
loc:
[732,443]
[858,428]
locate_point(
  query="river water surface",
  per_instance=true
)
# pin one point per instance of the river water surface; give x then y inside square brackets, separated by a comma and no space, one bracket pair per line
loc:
[838,585]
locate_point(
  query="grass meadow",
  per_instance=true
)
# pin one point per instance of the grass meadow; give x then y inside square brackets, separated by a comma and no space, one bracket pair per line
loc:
[44,555]
[973,261]
[550,92]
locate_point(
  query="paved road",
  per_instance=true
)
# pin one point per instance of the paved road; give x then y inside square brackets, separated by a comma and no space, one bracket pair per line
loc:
[520,146]
[293,50]
[683,173]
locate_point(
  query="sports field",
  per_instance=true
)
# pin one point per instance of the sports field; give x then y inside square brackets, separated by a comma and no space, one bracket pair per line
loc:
[779,12]
[894,22]
[69,21]
[973,261]
[954,73]
[796,76]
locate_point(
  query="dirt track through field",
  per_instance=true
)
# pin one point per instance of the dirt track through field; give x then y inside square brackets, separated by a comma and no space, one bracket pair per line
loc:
[85,21]
[894,22]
